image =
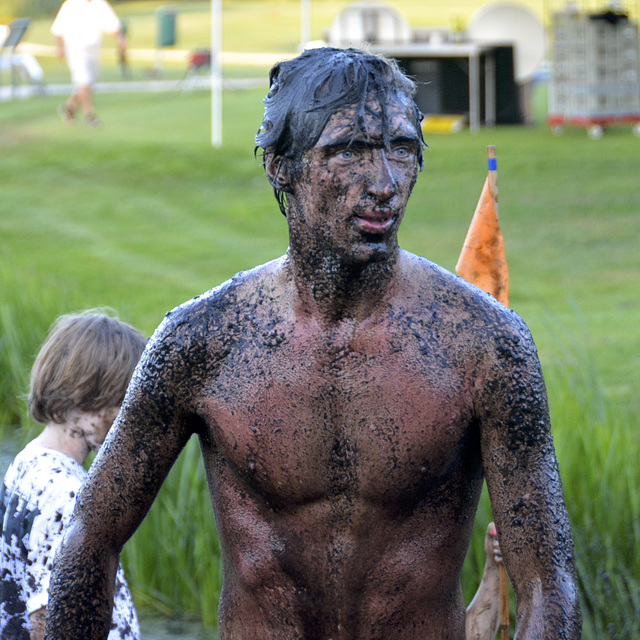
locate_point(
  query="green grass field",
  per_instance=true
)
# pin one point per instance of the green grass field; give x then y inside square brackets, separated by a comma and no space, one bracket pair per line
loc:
[143,214]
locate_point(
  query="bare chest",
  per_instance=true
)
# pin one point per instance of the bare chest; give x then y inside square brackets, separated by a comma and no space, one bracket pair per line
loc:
[301,415]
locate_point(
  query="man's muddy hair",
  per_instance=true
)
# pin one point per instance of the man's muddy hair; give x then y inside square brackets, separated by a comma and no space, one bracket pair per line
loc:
[306,91]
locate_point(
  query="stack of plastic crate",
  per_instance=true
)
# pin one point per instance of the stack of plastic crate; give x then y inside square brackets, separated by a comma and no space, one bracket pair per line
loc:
[595,72]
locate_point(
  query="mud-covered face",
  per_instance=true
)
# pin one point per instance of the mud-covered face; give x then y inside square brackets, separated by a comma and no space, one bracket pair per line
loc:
[350,192]
[92,426]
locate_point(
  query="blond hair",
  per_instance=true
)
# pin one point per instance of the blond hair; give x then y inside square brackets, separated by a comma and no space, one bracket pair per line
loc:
[85,363]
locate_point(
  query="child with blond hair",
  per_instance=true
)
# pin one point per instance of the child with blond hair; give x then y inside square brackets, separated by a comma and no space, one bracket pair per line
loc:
[78,382]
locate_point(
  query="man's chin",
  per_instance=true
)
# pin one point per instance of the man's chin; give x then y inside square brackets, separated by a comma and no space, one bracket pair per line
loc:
[372,251]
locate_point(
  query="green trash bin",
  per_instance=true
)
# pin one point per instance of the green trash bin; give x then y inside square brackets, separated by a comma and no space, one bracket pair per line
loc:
[166,17]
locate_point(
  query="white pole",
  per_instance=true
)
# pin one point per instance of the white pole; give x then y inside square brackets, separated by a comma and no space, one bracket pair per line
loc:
[305,23]
[216,73]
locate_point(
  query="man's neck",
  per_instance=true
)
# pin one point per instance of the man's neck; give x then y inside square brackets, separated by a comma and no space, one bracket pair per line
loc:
[334,290]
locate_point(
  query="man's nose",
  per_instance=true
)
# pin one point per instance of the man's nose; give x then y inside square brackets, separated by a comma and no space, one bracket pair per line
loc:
[381,183]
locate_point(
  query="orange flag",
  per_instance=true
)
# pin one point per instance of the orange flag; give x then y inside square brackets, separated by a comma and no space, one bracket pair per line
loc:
[482,260]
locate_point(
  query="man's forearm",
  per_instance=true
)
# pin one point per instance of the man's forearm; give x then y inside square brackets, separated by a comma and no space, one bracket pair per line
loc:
[553,614]
[60,47]
[80,595]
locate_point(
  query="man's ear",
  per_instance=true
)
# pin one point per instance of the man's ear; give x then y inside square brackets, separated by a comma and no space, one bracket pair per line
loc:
[279,172]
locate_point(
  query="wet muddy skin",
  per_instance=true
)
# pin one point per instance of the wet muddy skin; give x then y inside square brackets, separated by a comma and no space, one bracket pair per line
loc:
[349,398]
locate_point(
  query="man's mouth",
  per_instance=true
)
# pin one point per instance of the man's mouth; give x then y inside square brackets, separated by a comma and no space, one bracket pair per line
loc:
[375,223]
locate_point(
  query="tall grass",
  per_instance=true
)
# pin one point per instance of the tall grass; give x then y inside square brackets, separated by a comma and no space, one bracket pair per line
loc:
[174,557]
[28,307]
[599,450]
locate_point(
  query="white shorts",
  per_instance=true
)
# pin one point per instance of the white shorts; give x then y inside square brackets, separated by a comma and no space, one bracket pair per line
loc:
[84,65]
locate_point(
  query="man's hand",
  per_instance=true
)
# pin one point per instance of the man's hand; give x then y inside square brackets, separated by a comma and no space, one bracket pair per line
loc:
[121,41]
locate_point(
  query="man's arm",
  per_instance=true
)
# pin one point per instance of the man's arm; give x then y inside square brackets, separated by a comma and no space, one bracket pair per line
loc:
[525,489]
[60,47]
[151,430]
[121,41]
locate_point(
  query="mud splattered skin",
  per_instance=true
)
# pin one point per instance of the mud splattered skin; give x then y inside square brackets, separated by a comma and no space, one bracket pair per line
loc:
[349,398]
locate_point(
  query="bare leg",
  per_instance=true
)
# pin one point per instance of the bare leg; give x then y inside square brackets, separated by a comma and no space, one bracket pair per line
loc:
[67,110]
[483,614]
[81,97]
[85,97]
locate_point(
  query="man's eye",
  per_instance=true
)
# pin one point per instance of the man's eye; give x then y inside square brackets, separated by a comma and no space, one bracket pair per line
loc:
[401,152]
[346,154]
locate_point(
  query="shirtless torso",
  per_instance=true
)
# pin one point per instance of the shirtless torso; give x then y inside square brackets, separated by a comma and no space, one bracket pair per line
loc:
[345,461]
[345,447]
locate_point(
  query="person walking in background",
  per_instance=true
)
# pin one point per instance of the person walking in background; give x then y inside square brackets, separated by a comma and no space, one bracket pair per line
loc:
[78,382]
[78,30]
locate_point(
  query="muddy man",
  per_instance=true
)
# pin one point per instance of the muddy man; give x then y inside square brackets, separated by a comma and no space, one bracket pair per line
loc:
[349,398]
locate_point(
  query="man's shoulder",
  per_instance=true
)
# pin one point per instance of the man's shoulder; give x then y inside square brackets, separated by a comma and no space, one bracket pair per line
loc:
[218,310]
[464,304]
[237,292]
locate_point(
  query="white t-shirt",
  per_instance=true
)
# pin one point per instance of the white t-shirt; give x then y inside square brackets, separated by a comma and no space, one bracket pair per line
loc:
[82,22]
[36,503]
